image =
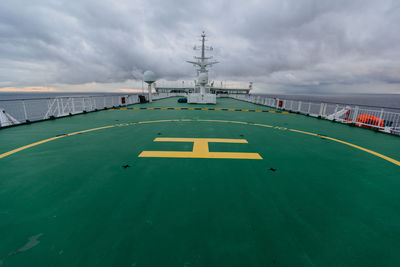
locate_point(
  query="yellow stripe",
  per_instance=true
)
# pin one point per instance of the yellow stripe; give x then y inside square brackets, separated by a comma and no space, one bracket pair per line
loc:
[189,154]
[263,125]
[352,145]
[239,122]
[28,146]
[231,109]
[211,140]
[143,122]
[50,139]
[396,162]
[364,149]
[91,130]
[297,131]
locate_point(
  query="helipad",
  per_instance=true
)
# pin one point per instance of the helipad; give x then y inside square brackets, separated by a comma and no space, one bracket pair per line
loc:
[76,192]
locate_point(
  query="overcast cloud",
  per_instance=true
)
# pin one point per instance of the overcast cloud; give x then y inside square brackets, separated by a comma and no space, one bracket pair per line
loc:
[292,46]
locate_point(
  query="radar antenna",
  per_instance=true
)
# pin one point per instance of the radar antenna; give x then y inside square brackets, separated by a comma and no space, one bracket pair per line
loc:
[203,61]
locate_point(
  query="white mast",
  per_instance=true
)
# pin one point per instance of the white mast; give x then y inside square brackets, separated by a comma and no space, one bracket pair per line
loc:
[202,61]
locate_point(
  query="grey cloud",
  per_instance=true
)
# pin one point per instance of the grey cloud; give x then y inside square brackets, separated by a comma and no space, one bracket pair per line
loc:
[286,44]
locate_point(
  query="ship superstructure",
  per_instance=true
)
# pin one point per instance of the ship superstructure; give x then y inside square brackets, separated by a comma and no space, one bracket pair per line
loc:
[202,94]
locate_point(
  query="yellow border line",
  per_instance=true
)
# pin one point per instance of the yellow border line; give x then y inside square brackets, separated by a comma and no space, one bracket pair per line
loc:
[396,162]
[352,145]
[212,109]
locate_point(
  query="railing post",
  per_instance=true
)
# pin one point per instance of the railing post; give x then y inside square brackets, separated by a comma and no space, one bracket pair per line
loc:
[62,105]
[355,114]
[58,107]
[73,105]
[299,108]
[321,108]
[336,109]
[49,105]
[23,105]
[309,108]
[93,103]
[380,118]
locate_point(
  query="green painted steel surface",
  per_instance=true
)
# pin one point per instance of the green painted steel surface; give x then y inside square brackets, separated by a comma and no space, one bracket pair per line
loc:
[326,204]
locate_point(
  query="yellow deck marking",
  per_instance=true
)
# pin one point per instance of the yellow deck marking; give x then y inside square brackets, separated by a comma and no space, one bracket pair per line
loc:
[352,145]
[239,122]
[396,162]
[297,131]
[263,125]
[50,139]
[230,109]
[200,149]
[90,130]
[210,140]
[28,146]
[143,122]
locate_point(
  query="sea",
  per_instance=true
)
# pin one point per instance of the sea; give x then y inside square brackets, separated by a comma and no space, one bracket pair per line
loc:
[386,101]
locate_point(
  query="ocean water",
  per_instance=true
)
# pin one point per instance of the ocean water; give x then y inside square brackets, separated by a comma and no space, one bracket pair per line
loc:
[387,101]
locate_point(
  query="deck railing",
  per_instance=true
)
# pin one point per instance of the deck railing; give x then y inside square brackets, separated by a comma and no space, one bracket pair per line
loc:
[18,111]
[362,116]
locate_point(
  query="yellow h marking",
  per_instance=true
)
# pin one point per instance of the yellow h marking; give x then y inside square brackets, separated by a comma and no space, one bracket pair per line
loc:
[200,149]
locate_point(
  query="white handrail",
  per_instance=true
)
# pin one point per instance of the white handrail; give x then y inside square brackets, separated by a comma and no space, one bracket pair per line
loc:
[30,110]
[367,117]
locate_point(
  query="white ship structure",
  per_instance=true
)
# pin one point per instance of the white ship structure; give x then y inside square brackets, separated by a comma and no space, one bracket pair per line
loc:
[203,91]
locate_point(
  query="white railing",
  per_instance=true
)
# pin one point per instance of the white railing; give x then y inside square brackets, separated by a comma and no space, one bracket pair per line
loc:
[367,117]
[14,112]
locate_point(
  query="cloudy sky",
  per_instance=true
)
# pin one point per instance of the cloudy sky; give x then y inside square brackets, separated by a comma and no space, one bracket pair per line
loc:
[288,46]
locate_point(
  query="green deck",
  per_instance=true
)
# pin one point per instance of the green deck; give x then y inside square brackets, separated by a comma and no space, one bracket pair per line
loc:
[327,203]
